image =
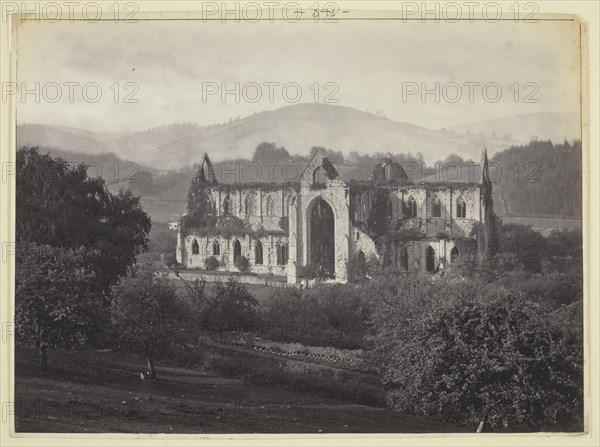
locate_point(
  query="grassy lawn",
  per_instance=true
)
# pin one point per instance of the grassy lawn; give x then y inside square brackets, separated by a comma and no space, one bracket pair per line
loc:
[102,392]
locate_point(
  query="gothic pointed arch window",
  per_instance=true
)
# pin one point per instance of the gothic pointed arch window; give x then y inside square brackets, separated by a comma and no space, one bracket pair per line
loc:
[227,205]
[362,259]
[258,253]
[282,254]
[412,207]
[436,207]
[387,172]
[249,205]
[430,259]
[389,208]
[404,258]
[195,247]
[270,206]
[461,208]
[237,251]
[454,254]
[216,248]
[210,205]
[318,175]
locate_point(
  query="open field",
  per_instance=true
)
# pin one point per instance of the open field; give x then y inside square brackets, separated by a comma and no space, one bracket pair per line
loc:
[101,392]
[544,224]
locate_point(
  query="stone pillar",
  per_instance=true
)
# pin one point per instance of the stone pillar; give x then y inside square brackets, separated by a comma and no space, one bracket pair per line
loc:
[292,264]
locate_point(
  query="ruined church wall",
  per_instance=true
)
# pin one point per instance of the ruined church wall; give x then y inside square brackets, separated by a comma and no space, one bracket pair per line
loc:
[226,252]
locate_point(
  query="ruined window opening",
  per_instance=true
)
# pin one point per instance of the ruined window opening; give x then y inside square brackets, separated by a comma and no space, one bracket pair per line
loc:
[249,205]
[436,208]
[461,208]
[412,207]
[270,206]
[282,254]
[258,253]
[227,205]
[454,254]
[195,248]
[389,208]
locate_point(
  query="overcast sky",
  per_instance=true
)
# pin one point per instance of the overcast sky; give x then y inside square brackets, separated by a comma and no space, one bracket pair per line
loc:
[369,62]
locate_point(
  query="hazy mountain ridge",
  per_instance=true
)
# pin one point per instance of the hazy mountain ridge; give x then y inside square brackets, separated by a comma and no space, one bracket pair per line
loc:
[298,128]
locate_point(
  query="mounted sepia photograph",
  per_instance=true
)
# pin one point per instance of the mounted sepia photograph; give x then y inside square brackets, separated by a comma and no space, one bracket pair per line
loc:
[292,218]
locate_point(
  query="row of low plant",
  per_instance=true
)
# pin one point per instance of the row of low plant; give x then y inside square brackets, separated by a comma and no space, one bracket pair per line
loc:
[326,355]
[286,374]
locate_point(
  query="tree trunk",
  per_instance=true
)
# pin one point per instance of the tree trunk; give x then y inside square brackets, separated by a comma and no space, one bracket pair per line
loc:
[480,428]
[151,370]
[43,357]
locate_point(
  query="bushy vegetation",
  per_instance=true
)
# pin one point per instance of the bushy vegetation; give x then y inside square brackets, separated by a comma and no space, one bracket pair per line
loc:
[328,315]
[211,263]
[229,307]
[480,354]
[242,264]
[315,270]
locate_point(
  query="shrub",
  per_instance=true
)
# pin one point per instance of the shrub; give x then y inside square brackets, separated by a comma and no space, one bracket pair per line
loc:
[242,264]
[314,271]
[170,259]
[328,315]
[211,263]
[361,269]
[229,307]
[457,352]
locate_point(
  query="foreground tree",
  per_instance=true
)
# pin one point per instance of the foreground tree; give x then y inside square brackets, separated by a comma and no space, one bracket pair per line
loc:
[456,351]
[60,206]
[57,303]
[229,307]
[147,315]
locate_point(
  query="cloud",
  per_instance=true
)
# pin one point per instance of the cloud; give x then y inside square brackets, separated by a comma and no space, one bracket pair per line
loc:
[368,61]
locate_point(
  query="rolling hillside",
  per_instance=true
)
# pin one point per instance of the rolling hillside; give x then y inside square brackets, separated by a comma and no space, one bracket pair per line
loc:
[298,128]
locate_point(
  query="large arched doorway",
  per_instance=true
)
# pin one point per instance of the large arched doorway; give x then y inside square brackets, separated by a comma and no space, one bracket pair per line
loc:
[237,251]
[430,259]
[322,236]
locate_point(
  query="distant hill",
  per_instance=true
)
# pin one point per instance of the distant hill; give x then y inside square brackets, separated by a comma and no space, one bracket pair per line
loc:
[298,128]
[556,127]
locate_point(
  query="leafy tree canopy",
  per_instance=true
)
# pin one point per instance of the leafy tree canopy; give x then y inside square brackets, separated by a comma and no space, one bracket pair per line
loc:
[60,206]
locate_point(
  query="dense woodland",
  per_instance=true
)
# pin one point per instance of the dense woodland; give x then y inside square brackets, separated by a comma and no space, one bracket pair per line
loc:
[540,179]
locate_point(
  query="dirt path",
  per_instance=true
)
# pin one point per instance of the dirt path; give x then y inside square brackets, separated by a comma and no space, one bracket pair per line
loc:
[102,392]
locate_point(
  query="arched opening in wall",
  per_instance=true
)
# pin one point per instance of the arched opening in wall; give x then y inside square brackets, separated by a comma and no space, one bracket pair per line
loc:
[195,248]
[322,236]
[270,206]
[282,254]
[210,206]
[389,208]
[362,259]
[237,251]
[249,205]
[430,259]
[436,207]
[404,258]
[216,248]
[412,207]
[227,205]
[454,254]
[461,208]
[258,253]
[318,175]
